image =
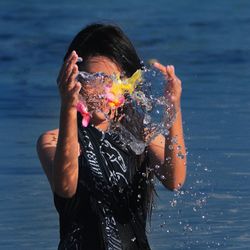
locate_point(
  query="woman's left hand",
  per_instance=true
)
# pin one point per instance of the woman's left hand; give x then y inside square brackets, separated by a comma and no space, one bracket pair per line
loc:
[173,85]
[172,166]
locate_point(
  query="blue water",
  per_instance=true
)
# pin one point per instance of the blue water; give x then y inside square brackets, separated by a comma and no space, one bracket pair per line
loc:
[207,42]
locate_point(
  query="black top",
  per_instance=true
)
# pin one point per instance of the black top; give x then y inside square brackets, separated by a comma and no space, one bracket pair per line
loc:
[107,211]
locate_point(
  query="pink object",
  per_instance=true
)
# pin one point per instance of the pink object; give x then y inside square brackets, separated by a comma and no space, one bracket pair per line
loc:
[84,112]
[114,101]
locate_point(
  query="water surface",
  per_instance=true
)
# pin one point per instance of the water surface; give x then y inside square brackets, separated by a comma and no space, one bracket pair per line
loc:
[209,45]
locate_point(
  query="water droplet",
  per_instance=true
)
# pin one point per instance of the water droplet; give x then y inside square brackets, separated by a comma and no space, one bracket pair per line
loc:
[173,203]
[79,59]
[103,136]
[168,159]
[199,181]
[174,139]
[163,177]
[147,119]
[170,147]
[180,155]
[157,166]
[188,228]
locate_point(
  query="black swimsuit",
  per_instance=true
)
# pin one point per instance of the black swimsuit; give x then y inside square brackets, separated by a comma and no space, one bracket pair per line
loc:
[107,211]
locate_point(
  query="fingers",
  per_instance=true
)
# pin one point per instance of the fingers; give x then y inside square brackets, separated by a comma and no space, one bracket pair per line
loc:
[69,87]
[171,71]
[161,67]
[173,88]
[62,70]
[168,70]
[73,74]
[77,85]
[67,68]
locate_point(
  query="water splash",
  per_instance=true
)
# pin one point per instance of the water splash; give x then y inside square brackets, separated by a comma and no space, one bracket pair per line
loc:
[140,107]
[185,212]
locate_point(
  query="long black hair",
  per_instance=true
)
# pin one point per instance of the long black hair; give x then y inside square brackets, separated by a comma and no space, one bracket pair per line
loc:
[110,41]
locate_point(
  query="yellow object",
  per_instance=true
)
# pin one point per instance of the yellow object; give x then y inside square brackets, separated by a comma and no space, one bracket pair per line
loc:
[120,87]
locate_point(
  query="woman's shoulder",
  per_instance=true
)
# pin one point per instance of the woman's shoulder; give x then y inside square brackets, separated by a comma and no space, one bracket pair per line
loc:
[47,141]
[48,138]
[46,145]
[50,133]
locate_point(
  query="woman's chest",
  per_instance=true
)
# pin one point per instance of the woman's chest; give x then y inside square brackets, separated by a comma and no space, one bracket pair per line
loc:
[109,163]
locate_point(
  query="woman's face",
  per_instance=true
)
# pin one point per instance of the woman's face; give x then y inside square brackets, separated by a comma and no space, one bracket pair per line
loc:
[105,65]
[101,64]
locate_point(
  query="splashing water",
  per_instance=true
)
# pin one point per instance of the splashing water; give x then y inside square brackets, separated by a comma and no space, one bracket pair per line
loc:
[141,108]
[185,212]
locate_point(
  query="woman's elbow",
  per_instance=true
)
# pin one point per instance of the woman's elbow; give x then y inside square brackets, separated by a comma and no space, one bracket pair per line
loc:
[63,191]
[65,186]
[174,184]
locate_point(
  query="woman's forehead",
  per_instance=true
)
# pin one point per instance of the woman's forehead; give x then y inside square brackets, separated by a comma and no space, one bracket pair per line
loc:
[102,64]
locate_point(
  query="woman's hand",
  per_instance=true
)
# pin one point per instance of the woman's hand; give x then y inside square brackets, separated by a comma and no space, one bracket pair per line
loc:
[69,88]
[173,87]
[171,157]
[64,159]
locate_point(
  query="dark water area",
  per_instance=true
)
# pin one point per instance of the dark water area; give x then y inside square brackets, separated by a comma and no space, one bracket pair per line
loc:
[207,42]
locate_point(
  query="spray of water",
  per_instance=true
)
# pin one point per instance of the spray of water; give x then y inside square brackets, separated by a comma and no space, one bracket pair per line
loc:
[143,94]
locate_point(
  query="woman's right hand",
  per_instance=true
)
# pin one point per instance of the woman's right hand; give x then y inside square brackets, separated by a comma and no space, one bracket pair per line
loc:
[69,87]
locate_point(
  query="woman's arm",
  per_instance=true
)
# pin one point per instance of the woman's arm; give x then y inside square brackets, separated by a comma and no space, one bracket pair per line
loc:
[65,165]
[61,162]
[46,148]
[168,154]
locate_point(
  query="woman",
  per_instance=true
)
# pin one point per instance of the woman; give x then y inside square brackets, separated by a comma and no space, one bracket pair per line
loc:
[102,190]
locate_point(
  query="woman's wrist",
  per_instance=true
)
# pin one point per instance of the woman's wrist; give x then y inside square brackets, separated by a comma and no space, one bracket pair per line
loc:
[68,118]
[68,108]
[177,106]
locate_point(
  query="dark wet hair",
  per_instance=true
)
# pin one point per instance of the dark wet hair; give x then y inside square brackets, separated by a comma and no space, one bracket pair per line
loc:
[110,41]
